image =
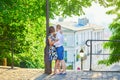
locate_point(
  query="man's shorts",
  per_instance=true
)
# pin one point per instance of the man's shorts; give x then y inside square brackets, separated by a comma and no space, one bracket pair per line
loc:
[60,52]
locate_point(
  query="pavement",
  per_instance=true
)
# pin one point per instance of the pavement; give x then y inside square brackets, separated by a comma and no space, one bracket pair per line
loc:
[82,75]
[6,73]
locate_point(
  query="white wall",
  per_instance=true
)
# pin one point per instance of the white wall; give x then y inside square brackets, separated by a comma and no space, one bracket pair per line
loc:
[76,40]
[69,39]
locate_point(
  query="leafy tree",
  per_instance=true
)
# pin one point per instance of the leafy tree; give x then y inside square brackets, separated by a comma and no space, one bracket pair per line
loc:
[115,28]
[24,21]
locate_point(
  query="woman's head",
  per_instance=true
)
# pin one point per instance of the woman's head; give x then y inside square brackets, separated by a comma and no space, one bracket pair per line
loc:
[51,29]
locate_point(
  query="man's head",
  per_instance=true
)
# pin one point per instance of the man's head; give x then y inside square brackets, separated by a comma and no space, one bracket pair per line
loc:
[58,27]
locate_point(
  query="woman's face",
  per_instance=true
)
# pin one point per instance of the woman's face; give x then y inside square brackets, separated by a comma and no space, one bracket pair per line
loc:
[51,30]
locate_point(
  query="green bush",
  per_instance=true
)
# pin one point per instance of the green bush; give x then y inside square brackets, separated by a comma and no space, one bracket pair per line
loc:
[70,67]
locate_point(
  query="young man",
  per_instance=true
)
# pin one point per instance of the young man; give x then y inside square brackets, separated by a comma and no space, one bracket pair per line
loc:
[60,50]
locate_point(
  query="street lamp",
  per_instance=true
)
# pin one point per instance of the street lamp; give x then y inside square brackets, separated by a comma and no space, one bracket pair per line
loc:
[82,55]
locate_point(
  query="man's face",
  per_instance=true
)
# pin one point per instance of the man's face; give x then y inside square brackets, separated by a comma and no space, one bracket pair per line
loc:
[57,29]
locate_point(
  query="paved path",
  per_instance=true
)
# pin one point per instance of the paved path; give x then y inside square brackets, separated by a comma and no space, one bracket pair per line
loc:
[37,74]
[82,75]
[6,73]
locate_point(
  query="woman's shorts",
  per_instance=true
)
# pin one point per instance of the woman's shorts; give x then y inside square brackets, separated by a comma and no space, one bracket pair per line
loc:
[60,52]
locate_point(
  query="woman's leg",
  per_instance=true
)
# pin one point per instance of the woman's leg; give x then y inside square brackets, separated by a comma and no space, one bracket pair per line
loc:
[55,68]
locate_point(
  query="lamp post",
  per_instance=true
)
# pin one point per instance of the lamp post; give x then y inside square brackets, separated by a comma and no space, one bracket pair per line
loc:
[81,55]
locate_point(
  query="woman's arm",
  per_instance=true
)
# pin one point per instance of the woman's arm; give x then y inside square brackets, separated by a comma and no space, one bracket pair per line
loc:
[51,43]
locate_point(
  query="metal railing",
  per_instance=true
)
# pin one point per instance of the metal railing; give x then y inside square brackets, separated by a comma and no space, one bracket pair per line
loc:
[90,45]
[11,49]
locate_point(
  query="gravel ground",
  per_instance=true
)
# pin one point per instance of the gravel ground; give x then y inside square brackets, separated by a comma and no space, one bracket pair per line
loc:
[6,73]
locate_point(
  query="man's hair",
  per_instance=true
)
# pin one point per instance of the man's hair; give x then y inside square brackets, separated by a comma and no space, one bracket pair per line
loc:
[51,29]
[58,26]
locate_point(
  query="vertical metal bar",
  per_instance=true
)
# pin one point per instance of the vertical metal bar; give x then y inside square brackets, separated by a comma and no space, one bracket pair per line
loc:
[74,61]
[12,45]
[48,69]
[90,55]
[81,63]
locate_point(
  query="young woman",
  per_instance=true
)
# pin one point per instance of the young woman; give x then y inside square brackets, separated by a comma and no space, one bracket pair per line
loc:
[52,49]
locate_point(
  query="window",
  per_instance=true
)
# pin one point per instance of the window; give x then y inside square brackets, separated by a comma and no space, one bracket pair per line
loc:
[98,35]
[82,37]
[77,55]
[70,40]
[65,40]
[94,35]
[77,39]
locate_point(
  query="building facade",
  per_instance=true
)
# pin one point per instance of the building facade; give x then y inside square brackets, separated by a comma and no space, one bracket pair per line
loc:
[75,37]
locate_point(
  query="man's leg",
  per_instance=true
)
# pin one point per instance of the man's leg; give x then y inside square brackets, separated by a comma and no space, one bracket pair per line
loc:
[63,66]
[59,66]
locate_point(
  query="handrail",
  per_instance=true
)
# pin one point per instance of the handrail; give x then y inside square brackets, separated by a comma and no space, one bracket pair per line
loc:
[90,45]
[100,40]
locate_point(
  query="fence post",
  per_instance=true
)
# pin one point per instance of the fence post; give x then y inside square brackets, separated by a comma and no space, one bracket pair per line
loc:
[4,61]
[90,55]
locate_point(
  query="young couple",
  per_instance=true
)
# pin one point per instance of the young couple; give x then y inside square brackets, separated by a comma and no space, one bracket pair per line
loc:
[56,39]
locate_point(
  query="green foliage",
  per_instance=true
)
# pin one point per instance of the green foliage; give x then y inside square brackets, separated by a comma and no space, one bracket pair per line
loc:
[24,22]
[70,67]
[30,60]
[115,28]
[104,62]
[77,57]
[68,7]
[114,46]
